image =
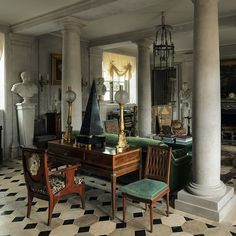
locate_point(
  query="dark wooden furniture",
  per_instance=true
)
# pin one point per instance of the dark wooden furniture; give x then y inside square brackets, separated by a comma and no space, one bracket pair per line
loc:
[54,124]
[155,184]
[103,161]
[228,119]
[49,185]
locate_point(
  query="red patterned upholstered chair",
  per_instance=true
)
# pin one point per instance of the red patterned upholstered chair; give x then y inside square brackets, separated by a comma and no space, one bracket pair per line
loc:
[49,185]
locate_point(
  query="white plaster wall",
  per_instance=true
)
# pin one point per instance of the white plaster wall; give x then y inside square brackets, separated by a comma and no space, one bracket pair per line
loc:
[186,61]
[20,56]
[84,50]
[47,44]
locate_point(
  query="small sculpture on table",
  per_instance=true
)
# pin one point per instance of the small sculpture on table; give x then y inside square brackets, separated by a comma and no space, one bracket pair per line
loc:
[188,118]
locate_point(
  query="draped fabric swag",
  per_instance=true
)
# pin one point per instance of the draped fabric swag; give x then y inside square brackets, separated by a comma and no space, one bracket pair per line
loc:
[120,65]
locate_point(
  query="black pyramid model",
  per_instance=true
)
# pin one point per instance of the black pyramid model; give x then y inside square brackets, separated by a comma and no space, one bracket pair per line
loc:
[91,131]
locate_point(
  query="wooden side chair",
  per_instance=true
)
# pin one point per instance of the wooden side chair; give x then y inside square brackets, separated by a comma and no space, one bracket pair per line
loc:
[155,184]
[49,185]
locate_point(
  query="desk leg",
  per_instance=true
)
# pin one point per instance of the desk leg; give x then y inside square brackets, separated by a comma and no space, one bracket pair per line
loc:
[113,194]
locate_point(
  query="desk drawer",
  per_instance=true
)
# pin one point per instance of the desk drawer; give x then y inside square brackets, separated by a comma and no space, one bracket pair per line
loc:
[66,151]
[127,159]
[97,159]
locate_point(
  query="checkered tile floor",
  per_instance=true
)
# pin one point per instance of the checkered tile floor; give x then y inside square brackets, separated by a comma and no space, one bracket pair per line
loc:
[70,219]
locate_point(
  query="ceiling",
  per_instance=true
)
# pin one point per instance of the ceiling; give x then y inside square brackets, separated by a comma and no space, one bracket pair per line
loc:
[109,21]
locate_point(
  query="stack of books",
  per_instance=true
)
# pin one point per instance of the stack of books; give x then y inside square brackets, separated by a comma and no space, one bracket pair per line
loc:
[165,138]
[169,139]
[184,139]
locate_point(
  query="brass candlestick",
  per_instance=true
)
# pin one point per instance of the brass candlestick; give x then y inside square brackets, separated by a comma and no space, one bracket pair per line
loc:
[121,98]
[70,96]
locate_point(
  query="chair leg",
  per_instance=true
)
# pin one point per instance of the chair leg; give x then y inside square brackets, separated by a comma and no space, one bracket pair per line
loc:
[124,206]
[167,203]
[82,197]
[145,208]
[30,199]
[151,217]
[51,205]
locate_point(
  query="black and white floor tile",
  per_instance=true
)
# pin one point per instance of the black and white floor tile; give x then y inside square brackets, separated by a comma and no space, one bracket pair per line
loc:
[70,219]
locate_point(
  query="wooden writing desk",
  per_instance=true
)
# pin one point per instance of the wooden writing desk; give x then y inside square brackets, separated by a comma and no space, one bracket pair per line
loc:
[103,161]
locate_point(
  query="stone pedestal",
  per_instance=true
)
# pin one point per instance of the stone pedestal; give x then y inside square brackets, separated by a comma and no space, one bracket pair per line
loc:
[25,116]
[215,208]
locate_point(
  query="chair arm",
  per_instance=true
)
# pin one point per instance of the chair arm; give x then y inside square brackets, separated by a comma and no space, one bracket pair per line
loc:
[65,170]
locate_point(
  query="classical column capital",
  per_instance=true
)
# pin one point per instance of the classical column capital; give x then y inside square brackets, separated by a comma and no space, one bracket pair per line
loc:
[145,43]
[71,23]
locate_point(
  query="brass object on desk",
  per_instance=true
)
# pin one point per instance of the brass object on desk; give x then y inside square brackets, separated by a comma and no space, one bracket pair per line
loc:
[121,98]
[70,96]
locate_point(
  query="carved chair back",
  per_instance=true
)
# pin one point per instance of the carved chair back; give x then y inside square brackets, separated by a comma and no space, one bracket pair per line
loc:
[35,165]
[158,163]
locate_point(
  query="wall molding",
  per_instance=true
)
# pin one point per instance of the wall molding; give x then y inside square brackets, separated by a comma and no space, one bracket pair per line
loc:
[60,13]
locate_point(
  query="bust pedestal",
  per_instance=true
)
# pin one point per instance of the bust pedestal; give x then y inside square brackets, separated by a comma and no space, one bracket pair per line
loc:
[25,115]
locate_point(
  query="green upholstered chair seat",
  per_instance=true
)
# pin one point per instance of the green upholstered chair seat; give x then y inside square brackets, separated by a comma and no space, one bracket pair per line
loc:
[145,188]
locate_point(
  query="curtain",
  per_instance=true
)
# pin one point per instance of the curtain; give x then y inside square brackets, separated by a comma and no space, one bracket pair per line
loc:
[119,64]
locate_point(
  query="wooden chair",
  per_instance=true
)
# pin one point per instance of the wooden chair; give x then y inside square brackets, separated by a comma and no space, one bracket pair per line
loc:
[49,185]
[155,184]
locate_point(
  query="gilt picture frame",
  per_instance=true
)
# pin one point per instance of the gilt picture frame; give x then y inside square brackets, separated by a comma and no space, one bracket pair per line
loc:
[56,68]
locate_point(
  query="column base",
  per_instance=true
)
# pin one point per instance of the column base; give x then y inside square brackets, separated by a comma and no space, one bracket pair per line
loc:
[211,208]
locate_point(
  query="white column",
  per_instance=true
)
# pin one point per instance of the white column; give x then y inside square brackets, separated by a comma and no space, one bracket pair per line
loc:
[71,69]
[144,88]
[206,102]
[207,196]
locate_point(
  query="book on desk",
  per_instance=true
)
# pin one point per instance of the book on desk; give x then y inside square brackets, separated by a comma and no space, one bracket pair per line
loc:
[184,139]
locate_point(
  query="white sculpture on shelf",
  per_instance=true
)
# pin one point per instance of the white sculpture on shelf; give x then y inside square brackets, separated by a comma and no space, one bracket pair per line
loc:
[25,110]
[26,89]
[101,88]
[185,103]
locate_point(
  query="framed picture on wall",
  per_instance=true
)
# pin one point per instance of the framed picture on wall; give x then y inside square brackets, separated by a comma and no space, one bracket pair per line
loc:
[56,68]
[228,79]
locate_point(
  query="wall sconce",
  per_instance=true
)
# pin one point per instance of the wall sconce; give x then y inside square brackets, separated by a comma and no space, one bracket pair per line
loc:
[42,81]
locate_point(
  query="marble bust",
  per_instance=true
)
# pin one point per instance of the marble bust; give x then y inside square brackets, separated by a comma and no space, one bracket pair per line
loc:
[26,89]
[101,88]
